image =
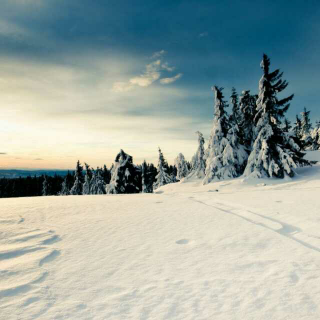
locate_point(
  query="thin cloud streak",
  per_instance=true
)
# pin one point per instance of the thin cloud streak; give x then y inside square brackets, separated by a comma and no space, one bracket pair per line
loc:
[158,54]
[171,80]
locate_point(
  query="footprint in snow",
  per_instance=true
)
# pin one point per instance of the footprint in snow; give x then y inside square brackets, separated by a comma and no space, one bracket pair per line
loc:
[182,241]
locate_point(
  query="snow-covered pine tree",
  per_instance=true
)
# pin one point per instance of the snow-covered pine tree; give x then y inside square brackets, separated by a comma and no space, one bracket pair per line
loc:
[198,163]
[146,179]
[123,175]
[235,155]
[306,128]
[274,152]
[181,165]
[306,124]
[87,179]
[45,186]
[106,174]
[64,188]
[297,127]
[78,179]
[226,155]
[246,126]
[88,170]
[315,140]
[77,187]
[315,136]
[162,177]
[172,172]
[97,184]
[87,185]
[236,116]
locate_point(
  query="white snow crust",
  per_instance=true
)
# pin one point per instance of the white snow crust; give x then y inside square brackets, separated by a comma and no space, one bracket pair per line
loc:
[237,249]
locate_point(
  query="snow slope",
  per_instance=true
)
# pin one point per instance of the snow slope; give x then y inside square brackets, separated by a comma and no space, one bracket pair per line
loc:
[250,250]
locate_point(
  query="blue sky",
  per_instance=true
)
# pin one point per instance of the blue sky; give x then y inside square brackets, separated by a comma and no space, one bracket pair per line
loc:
[82,79]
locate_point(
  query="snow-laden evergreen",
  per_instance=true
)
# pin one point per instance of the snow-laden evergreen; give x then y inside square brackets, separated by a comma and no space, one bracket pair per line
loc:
[86,185]
[97,184]
[235,155]
[87,178]
[306,127]
[274,152]
[226,156]
[77,187]
[297,127]
[246,125]
[315,135]
[236,116]
[123,178]
[78,177]
[106,174]
[162,177]
[64,188]
[182,167]
[45,187]
[146,179]
[198,163]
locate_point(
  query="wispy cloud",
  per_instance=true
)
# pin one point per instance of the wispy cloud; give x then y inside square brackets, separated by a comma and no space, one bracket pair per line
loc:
[152,73]
[166,66]
[38,159]
[170,80]
[2,153]
[158,54]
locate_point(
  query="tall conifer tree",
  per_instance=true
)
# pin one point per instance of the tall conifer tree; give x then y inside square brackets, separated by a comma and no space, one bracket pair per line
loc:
[162,177]
[274,152]
[226,156]
[198,165]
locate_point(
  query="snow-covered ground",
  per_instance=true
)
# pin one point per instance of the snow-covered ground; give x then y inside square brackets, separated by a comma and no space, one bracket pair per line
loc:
[229,250]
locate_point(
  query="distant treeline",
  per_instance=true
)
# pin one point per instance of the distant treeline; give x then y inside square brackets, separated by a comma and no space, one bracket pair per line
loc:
[30,186]
[17,173]
[33,186]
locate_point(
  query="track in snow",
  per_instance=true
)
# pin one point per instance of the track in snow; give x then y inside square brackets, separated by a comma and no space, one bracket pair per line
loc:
[269,223]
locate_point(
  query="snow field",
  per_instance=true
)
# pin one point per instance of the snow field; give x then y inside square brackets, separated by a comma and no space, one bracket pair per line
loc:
[250,250]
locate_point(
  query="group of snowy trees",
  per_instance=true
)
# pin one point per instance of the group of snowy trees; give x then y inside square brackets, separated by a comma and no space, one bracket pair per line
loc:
[123,177]
[254,140]
[305,132]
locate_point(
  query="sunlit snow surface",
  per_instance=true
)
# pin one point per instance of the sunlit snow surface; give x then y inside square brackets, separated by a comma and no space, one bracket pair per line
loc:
[229,250]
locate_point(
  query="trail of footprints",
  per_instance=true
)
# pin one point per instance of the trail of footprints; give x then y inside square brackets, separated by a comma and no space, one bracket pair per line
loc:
[284,229]
[24,258]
